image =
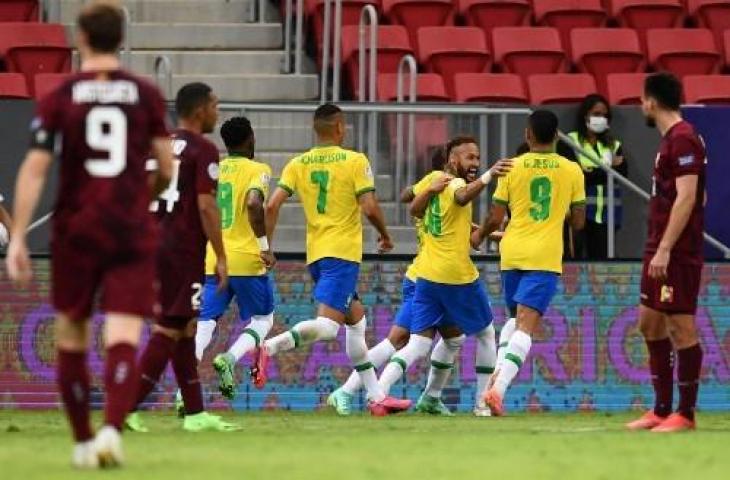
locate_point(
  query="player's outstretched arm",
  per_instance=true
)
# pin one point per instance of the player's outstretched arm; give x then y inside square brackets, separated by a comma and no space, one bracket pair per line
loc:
[210,218]
[491,224]
[28,186]
[471,191]
[371,209]
[420,202]
[272,211]
[159,179]
[257,220]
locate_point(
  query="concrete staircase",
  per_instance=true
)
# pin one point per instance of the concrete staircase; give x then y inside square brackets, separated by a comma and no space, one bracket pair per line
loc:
[211,41]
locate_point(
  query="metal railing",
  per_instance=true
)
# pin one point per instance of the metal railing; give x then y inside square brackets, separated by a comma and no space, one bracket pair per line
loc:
[298,18]
[127,48]
[163,74]
[408,152]
[331,46]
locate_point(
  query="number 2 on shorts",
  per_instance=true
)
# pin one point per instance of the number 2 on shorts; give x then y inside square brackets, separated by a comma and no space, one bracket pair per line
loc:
[321,178]
[540,196]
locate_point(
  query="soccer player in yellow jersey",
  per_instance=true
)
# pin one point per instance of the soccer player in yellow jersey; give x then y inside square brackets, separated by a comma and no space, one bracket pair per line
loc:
[243,185]
[540,191]
[335,186]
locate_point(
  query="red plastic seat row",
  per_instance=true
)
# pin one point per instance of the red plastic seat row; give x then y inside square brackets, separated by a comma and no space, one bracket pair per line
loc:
[13,85]
[18,10]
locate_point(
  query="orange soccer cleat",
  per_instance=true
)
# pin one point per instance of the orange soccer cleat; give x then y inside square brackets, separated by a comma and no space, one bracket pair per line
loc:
[259,368]
[675,422]
[388,406]
[647,421]
[495,402]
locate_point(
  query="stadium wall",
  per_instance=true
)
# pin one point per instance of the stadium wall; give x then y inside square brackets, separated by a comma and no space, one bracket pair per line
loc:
[588,356]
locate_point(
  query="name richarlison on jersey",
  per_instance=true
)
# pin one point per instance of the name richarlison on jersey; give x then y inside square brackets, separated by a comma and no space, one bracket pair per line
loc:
[322,158]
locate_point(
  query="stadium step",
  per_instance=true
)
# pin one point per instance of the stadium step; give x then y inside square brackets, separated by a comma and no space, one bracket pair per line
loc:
[255,88]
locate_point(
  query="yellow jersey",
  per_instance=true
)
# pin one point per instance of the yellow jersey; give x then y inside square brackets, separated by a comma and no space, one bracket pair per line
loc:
[329,180]
[444,255]
[237,177]
[539,191]
[412,271]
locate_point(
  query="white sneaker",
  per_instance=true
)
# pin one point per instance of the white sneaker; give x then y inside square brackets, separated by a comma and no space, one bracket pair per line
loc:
[84,456]
[481,409]
[108,445]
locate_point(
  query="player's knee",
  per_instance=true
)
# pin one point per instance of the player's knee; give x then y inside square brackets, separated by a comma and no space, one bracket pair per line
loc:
[398,337]
[652,330]
[487,335]
[71,335]
[454,343]
[263,321]
[683,333]
[328,328]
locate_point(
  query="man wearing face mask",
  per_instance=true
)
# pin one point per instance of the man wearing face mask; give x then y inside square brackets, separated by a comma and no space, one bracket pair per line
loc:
[592,133]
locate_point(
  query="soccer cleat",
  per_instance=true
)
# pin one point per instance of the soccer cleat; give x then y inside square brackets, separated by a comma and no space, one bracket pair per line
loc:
[134,423]
[205,422]
[341,401]
[108,446]
[224,364]
[493,400]
[481,409]
[260,364]
[179,404]
[675,422]
[84,456]
[388,406]
[433,406]
[647,421]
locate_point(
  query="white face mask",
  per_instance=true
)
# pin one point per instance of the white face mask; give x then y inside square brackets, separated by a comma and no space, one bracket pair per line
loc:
[597,124]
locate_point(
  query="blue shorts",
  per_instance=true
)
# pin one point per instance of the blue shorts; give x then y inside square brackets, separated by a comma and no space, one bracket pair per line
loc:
[405,313]
[438,304]
[531,288]
[254,295]
[335,282]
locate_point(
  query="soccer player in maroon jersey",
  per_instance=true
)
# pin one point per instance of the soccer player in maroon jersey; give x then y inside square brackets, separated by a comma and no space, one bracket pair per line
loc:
[673,259]
[189,217]
[102,123]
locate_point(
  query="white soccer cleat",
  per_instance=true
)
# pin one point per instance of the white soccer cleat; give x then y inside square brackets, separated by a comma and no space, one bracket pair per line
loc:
[108,445]
[84,456]
[481,409]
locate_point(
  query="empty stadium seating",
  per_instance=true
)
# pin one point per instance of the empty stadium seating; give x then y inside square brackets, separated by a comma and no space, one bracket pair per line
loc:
[18,10]
[643,15]
[414,14]
[527,51]
[12,85]
[565,15]
[429,87]
[489,14]
[707,89]
[625,88]
[601,51]
[683,51]
[47,82]
[560,88]
[712,14]
[351,12]
[489,88]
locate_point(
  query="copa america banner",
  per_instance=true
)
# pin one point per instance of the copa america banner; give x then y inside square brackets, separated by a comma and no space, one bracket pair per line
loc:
[589,354]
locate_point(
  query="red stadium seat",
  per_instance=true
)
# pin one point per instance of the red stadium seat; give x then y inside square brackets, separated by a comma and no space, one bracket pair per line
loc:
[393,43]
[12,85]
[429,87]
[528,50]
[707,89]
[414,14]
[625,88]
[351,11]
[45,83]
[560,88]
[451,50]
[683,51]
[565,15]
[601,51]
[641,15]
[18,10]
[712,14]
[726,45]
[489,88]
[489,14]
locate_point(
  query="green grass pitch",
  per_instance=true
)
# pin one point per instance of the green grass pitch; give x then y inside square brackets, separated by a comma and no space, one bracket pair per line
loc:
[322,446]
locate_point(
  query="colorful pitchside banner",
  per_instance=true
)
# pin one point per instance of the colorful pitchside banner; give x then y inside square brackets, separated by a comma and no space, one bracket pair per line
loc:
[588,356]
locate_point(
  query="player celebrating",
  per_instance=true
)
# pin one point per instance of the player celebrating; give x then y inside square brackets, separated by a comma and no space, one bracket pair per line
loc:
[673,258]
[188,215]
[105,122]
[540,191]
[334,186]
[242,190]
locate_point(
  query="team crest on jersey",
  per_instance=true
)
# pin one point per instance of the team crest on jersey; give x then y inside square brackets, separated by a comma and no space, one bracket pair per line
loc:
[667,294]
[213,171]
[369,171]
[265,179]
[686,160]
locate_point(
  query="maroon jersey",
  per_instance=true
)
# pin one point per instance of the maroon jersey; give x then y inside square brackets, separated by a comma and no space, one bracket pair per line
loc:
[102,129]
[681,152]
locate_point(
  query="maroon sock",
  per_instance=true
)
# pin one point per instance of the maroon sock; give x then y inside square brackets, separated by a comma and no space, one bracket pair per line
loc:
[689,368]
[661,364]
[153,362]
[186,372]
[73,384]
[120,379]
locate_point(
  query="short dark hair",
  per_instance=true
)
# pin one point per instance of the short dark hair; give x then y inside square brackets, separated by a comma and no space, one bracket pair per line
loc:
[544,126]
[190,97]
[457,141]
[326,111]
[236,132]
[665,88]
[103,24]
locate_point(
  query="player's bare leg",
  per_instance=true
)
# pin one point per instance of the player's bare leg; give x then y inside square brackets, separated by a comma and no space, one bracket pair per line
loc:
[486,360]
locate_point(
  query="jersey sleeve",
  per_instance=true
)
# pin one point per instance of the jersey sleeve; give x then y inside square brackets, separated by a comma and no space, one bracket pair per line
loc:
[455,185]
[260,181]
[685,157]
[288,180]
[501,193]
[578,188]
[363,175]
[423,183]
[206,176]
[46,122]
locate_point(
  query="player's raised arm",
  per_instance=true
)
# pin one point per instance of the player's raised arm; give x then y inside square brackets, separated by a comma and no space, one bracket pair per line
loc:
[420,202]
[472,190]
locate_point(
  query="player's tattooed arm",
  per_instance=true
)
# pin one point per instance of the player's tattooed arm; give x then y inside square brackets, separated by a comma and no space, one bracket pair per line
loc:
[210,218]
[491,224]
[372,211]
[407,195]
[468,193]
[159,179]
[421,201]
[257,220]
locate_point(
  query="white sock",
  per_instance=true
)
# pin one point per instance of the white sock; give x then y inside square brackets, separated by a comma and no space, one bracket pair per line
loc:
[304,332]
[252,336]
[442,362]
[517,350]
[416,349]
[357,351]
[379,354]
[504,335]
[203,336]
[486,359]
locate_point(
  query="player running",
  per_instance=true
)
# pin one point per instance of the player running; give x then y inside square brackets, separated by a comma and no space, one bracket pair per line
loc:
[334,185]
[448,297]
[242,189]
[188,216]
[539,192]
[673,259]
[104,122]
